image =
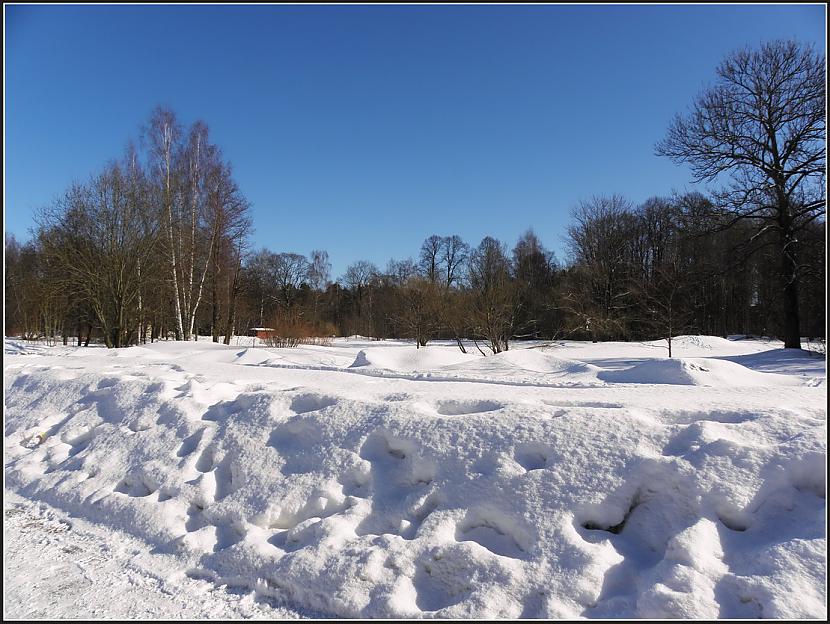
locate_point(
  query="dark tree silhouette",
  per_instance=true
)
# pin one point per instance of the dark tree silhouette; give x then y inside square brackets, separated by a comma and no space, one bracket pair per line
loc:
[763,125]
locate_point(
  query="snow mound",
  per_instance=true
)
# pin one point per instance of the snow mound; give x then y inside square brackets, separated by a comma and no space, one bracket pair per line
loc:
[14,348]
[702,342]
[409,359]
[253,356]
[531,360]
[696,372]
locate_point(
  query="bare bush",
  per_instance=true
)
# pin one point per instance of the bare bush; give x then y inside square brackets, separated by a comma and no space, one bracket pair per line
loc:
[295,332]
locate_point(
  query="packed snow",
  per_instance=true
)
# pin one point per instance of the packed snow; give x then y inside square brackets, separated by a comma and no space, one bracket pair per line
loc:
[373,479]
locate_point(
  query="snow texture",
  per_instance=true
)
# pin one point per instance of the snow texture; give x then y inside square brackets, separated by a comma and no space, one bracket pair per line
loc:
[373,479]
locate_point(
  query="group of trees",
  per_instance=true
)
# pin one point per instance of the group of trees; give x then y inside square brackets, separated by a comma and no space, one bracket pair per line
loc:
[146,247]
[671,266]
[154,246]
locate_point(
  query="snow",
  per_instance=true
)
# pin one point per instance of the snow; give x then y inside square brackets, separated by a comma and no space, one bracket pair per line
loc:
[374,479]
[697,372]
[409,359]
[60,566]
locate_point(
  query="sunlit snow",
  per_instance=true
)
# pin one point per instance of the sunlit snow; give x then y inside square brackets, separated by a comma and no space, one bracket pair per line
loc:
[373,479]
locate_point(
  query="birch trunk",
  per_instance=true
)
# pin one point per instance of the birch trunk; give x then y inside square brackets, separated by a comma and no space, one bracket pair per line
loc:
[168,139]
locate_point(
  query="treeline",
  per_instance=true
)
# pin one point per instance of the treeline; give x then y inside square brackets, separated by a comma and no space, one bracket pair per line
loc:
[156,245]
[636,272]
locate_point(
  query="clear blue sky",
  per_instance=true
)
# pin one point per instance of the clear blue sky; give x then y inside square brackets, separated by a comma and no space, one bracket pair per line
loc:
[364,129]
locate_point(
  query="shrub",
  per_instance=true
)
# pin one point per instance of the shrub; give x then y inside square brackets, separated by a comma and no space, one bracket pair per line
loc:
[294,332]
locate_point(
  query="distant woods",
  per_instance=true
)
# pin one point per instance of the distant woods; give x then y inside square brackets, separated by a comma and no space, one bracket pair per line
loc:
[156,245]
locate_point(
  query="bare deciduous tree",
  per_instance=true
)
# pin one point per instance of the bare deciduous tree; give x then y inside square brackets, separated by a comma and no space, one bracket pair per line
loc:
[493,298]
[418,314]
[100,235]
[430,257]
[454,252]
[599,239]
[763,125]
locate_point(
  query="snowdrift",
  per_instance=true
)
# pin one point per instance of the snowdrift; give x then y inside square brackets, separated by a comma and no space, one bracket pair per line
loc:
[359,496]
[524,367]
[409,359]
[702,342]
[696,372]
[529,366]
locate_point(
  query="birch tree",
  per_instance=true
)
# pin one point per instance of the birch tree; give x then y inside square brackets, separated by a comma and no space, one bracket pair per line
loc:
[163,133]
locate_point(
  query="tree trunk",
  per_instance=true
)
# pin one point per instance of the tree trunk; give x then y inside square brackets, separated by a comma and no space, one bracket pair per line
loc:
[232,303]
[214,321]
[792,333]
[171,240]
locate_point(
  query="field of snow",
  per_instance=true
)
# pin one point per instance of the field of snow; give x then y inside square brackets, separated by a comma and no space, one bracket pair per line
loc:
[373,479]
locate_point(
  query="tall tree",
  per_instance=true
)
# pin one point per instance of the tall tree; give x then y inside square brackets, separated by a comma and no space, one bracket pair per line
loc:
[763,124]
[493,298]
[162,134]
[319,270]
[289,271]
[430,257]
[533,268]
[229,223]
[358,278]
[453,255]
[600,243]
[100,235]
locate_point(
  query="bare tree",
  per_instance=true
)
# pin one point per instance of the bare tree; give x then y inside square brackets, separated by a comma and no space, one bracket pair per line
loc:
[162,134]
[399,272]
[600,242]
[24,283]
[663,276]
[454,252]
[100,235]
[199,228]
[234,287]
[763,124]
[493,297]
[319,270]
[319,278]
[430,257]
[418,314]
[359,274]
[533,268]
[203,210]
[288,270]
[229,224]
[358,278]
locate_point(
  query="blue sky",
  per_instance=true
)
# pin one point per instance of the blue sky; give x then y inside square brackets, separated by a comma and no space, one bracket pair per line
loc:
[364,129]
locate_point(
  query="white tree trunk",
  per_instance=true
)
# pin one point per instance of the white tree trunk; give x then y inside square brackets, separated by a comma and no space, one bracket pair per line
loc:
[168,139]
[201,284]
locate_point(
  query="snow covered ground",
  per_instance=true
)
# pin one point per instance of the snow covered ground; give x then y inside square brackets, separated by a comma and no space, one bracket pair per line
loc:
[371,479]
